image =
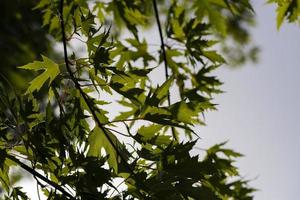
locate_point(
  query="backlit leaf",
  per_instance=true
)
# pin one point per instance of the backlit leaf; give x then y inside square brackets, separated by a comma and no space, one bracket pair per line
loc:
[50,68]
[98,140]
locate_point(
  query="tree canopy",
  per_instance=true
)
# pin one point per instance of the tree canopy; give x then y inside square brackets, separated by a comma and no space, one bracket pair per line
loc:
[63,129]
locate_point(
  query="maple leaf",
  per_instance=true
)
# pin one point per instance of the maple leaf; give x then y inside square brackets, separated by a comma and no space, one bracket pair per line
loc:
[51,70]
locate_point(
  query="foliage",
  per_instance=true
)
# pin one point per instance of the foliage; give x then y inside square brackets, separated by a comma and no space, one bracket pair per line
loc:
[61,129]
[287,10]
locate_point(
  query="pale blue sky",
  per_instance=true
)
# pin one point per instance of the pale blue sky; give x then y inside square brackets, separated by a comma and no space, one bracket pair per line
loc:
[259,113]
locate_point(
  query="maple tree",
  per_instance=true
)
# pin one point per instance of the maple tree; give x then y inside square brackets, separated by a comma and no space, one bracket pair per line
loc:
[62,132]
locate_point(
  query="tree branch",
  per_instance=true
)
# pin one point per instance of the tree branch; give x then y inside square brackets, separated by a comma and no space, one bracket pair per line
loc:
[85,97]
[164,54]
[40,176]
[78,86]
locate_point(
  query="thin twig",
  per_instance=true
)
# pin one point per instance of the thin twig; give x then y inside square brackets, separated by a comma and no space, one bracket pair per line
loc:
[38,190]
[124,120]
[118,132]
[116,188]
[164,54]
[58,100]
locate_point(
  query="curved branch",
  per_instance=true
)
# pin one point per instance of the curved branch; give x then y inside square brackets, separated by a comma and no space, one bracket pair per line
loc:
[40,176]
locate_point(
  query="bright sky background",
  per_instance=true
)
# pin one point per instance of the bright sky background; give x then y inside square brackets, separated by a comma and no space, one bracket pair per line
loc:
[259,113]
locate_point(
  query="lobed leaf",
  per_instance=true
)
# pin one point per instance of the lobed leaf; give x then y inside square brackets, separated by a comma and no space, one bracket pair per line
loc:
[50,68]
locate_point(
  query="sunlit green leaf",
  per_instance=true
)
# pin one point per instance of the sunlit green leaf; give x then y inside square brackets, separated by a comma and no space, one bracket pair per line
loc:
[50,68]
[98,140]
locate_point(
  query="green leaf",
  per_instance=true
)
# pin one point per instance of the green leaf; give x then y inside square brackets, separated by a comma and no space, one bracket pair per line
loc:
[4,171]
[125,115]
[98,140]
[186,114]
[281,12]
[135,17]
[213,56]
[149,131]
[150,134]
[218,21]
[160,94]
[228,152]
[178,31]
[100,82]
[51,70]
[42,4]
[204,8]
